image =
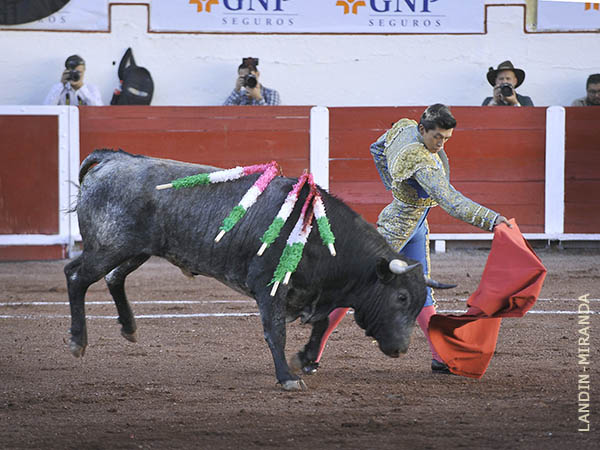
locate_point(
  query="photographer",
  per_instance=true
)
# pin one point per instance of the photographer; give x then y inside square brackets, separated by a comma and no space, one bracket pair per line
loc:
[248,90]
[592,87]
[505,80]
[71,90]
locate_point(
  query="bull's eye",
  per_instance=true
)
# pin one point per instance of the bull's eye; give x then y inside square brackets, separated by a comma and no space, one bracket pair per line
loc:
[402,297]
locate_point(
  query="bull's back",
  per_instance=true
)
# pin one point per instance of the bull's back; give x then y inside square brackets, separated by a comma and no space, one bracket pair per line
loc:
[118,202]
[120,209]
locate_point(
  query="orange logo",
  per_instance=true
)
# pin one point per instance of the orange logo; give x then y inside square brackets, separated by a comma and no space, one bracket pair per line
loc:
[347,4]
[596,6]
[204,4]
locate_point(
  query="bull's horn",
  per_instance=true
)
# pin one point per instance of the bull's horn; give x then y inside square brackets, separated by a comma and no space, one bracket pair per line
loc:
[398,266]
[436,284]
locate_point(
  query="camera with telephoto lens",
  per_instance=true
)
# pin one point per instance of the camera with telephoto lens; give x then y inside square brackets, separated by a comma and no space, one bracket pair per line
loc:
[72,75]
[506,90]
[250,81]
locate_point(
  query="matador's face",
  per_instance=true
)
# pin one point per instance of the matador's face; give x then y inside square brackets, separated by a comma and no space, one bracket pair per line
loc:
[435,139]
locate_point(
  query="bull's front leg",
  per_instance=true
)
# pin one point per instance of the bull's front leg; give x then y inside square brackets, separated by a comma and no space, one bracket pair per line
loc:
[306,359]
[272,313]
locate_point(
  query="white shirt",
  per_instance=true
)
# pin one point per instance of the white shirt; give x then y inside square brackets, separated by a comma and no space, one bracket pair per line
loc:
[88,94]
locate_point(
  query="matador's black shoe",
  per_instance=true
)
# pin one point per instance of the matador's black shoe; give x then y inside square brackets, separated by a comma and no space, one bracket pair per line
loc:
[439,367]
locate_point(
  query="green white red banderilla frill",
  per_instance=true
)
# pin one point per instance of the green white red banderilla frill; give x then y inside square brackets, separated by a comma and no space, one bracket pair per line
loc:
[249,198]
[274,229]
[292,253]
[323,223]
[219,176]
[313,206]
[269,171]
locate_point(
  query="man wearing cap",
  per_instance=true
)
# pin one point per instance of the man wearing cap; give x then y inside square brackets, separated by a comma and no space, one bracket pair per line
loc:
[71,90]
[505,80]
[248,90]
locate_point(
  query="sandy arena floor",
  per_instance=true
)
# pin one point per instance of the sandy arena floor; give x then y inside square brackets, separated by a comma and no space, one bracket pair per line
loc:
[198,381]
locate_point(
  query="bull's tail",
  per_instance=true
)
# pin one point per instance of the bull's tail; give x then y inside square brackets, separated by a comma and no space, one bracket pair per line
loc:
[96,157]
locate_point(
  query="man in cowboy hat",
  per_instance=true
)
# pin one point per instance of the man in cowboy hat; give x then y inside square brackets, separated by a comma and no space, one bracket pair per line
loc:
[505,79]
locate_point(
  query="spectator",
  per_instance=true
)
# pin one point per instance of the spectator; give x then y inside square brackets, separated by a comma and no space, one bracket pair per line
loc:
[71,90]
[593,92]
[505,80]
[248,90]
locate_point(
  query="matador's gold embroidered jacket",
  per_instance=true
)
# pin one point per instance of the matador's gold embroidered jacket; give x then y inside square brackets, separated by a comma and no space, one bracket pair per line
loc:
[419,180]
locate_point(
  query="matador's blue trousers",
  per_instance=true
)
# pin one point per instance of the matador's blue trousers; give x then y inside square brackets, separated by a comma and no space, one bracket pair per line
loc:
[417,248]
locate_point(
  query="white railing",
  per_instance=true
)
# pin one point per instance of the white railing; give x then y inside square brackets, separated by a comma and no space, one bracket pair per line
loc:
[68,169]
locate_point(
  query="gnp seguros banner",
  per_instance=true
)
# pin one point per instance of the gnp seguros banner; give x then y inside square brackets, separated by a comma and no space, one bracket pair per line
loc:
[318,16]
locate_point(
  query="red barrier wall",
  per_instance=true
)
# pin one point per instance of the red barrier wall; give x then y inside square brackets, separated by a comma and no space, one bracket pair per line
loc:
[582,170]
[496,158]
[219,136]
[29,175]
[29,183]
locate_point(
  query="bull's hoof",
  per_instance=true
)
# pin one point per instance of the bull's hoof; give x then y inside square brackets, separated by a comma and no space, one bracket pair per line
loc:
[310,368]
[296,365]
[294,385]
[131,337]
[76,350]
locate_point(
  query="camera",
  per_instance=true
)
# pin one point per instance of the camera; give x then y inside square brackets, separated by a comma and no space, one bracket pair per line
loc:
[250,81]
[72,74]
[506,90]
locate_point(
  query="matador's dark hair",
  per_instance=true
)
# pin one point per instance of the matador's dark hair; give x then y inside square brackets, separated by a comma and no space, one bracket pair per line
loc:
[437,116]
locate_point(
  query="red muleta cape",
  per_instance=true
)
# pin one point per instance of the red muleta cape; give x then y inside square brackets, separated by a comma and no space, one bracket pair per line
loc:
[509,287]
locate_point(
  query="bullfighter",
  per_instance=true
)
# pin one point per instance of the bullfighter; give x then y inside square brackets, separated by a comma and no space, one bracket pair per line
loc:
[412,163]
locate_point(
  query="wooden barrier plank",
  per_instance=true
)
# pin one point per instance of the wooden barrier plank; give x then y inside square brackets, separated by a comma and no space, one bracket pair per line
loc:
[227,145]
[29,175]
[518,193]
[196,118]
[357,170]
[582,170]
[32,252]
[219,136]
[267,124]
[224,112]
[496,157]
[581,206]
[379,119]
[441,222]
[515,165]
[528,215]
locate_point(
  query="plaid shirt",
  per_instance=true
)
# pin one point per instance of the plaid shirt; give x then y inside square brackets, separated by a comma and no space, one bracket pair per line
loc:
[269,97]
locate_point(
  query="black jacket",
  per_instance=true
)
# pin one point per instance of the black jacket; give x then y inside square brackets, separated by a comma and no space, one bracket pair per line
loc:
[523,100]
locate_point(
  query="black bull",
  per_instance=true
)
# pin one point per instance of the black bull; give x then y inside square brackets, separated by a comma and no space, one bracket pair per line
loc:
[124,220]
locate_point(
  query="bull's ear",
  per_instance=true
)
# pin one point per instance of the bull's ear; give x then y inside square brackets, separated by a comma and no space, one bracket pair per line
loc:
[383,270]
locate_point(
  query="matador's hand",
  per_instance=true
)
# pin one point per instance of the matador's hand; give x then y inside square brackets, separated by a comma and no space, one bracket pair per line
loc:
[502,219]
